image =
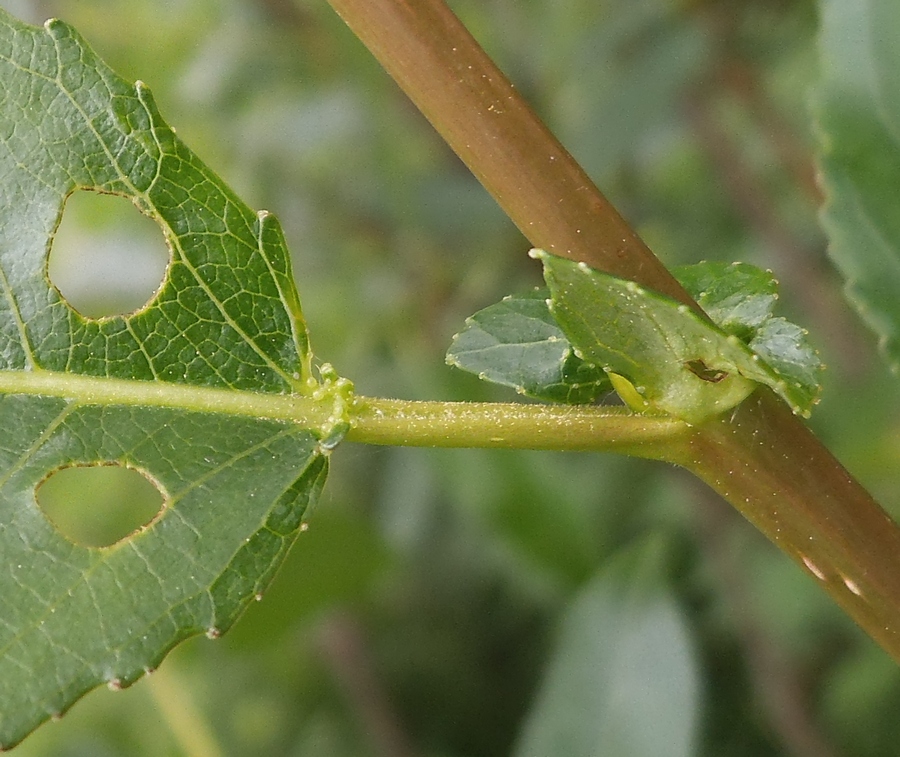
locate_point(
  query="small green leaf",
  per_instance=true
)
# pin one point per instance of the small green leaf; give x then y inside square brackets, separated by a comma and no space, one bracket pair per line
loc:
[522,342]
[622,680]
[738,297]
[677,361]
[783,346]
[517,343]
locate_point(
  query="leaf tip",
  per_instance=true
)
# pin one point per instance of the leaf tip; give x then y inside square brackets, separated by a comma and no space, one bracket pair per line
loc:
[54,27]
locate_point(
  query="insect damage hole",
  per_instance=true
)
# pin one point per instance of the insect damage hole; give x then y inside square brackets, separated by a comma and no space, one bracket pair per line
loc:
[699,369]
[101,504]
[107,258]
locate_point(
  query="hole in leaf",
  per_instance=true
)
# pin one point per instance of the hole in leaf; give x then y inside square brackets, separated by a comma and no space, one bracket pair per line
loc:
[99,505]
[699,369]
[107,257]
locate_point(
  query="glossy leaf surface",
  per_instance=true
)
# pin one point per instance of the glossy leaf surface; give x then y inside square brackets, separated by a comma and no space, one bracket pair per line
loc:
[227,320]
[518,343]
[523,343]
[677,362]
[740,299]
[737,297]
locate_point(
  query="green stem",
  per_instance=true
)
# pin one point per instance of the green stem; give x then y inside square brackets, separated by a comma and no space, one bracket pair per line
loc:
[516,426]
[383,421]
[763,460]
[303,410]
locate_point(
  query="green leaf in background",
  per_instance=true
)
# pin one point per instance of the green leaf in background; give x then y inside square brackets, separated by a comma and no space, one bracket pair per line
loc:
[151,390]
[676,361]
[858,119]
[517,343]
[622,680]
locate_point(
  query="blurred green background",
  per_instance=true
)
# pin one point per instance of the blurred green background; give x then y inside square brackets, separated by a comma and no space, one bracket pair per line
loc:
[447,603]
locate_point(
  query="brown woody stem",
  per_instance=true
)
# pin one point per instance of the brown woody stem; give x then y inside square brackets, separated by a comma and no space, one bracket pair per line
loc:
[481,115]
[761,458]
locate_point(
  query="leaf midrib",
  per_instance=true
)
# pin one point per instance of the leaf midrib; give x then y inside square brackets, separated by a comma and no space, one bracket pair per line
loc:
[306,410]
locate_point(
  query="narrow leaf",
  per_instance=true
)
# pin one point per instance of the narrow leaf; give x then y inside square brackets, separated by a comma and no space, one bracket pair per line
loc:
[858,118]
[622,680]
[156,390]
[517,343]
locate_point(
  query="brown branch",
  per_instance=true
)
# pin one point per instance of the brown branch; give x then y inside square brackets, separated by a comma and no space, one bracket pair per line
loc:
[489,125]
[762,459]
[771,468]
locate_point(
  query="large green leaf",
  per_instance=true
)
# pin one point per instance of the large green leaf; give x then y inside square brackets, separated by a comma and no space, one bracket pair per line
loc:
[172,390]
[858,114]
[622,680]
